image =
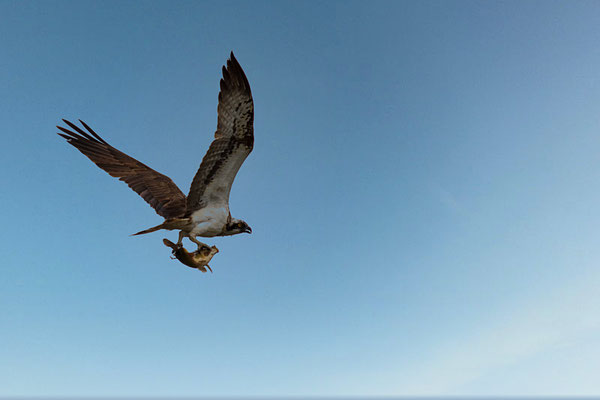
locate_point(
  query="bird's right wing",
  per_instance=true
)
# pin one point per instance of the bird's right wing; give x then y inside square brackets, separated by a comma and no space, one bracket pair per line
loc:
[233,141]
[157,189]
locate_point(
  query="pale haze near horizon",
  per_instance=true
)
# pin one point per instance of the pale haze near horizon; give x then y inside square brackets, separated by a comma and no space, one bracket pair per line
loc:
[423,194]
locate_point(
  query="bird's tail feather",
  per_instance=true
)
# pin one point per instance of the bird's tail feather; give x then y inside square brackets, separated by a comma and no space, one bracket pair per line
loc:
[153,229]
[170,224]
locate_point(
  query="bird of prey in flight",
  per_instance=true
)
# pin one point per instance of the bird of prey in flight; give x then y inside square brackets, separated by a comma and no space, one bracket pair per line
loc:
[205,210]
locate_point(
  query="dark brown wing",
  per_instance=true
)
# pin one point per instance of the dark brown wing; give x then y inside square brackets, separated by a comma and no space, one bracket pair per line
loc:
[233,142]
[157,189]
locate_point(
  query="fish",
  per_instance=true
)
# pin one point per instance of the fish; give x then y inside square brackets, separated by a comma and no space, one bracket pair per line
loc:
[197,259]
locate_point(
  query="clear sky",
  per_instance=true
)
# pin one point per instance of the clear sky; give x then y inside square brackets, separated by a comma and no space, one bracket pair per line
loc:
[424,193]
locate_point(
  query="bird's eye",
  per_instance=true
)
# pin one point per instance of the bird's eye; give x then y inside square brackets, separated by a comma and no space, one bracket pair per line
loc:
[240,225]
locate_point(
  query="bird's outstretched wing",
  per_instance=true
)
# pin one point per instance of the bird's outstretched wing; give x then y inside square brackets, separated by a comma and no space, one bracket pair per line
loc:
[233,142]
[157,189]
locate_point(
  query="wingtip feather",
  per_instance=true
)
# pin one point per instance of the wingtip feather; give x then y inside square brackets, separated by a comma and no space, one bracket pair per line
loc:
[235,76]
[90,130]
[69,138]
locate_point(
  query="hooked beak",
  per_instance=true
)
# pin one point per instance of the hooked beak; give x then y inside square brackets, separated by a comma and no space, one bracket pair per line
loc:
[248,230]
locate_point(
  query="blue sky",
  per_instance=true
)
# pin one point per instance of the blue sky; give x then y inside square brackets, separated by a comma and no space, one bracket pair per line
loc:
[424,195]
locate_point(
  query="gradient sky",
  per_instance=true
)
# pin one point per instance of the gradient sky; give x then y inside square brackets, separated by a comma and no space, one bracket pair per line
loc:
[424,194]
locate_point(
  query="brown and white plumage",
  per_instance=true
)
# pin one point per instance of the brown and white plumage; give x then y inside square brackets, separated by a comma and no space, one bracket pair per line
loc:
[233,142]
[205,211]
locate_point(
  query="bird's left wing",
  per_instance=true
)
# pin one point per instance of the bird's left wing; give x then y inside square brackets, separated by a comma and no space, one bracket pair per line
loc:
[157,189]
[233,141]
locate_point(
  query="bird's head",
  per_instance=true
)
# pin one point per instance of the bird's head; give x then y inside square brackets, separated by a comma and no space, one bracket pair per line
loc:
[237,226]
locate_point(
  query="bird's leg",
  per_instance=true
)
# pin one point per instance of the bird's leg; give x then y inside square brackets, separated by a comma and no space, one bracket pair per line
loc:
[199,243]
[181,236]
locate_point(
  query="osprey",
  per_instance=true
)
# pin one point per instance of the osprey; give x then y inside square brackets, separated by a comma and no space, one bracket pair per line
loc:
[205,210]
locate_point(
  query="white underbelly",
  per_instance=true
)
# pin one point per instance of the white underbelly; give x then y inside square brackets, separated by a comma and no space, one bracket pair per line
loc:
[207,229]
[209,222]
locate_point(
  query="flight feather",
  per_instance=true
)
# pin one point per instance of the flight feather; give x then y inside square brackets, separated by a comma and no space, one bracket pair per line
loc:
[234,140]
[155,188]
